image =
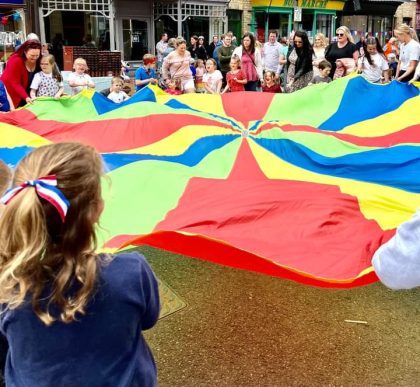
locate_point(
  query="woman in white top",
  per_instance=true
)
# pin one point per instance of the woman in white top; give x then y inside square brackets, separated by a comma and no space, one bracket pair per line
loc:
[251,61]
[372,64]
[397,262]
[320,43]
[409,53]
[176,67]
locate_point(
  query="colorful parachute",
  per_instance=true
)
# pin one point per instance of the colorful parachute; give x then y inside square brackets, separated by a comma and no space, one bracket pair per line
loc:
[303,186]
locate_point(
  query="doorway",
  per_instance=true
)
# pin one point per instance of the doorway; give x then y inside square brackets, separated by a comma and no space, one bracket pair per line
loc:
[135,34]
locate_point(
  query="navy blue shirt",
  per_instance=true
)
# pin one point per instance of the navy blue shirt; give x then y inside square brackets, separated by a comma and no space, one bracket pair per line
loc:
[105,347]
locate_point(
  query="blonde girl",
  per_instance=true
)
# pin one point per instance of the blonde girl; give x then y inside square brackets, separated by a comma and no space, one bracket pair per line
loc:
[409,53]
[235,78]
[200,69]
[71,316]
[79,80]
[48,82]
[213,78]
[320,44]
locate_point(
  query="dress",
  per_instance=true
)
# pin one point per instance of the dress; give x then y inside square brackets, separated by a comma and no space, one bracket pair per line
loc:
[233,85]
[45,85]
[211,79]
[104,347]
[275,88]
[300,82]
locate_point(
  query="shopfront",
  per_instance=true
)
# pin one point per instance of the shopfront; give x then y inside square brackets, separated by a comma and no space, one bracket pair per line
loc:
[12,26]
[187,18]
[315,16]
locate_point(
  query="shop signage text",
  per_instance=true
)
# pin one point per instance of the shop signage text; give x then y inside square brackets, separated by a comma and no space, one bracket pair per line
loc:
[307,3]
[336,5]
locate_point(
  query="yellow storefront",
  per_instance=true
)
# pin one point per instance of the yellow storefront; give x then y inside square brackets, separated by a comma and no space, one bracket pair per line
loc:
[315,16]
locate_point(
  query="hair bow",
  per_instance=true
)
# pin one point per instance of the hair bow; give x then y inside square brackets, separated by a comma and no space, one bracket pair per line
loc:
[46,188]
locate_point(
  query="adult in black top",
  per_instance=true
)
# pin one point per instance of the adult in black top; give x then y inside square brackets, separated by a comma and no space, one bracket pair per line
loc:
[344,47]
[197,51]
[212,46]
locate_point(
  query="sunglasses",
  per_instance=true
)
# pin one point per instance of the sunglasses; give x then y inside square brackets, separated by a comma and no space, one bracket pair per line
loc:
[340,34]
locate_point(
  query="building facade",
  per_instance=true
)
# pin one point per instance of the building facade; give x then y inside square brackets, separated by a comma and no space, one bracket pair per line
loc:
[13,20]
[129,26]
[313,16]
[372,17]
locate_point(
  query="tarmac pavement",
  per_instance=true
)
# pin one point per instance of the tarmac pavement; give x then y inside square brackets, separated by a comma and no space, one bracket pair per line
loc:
[246,329]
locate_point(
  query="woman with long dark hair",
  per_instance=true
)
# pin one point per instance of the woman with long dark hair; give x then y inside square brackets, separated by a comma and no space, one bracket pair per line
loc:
[20,70]
[251,61]
[299,63]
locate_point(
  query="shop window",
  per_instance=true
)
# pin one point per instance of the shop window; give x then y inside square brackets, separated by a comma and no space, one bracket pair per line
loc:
[260,26]
[235,22]
[324,24]
[279,22]
[195,26]
[307,23]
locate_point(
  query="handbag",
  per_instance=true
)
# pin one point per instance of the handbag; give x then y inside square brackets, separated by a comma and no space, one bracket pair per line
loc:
[255,66]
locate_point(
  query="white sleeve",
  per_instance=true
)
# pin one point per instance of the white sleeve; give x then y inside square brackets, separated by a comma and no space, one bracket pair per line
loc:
[36,81]
[414,51]
[397,262]
[385,65]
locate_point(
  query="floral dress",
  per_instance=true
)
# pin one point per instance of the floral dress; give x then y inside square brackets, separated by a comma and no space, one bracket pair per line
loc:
[300,82]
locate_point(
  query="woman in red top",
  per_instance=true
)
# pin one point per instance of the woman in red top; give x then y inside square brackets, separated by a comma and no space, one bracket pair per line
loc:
[20,70]
[235,78]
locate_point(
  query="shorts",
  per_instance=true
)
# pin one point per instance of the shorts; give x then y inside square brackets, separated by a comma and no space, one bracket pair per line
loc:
[187,84]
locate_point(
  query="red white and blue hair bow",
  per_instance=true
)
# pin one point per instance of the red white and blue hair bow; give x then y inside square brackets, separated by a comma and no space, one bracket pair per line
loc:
[46,188]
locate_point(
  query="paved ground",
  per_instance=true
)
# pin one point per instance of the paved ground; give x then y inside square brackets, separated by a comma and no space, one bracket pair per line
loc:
[246,329]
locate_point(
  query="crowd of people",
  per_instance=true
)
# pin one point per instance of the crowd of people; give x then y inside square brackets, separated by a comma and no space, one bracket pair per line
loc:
[291,64]
[225,65]
[71,316]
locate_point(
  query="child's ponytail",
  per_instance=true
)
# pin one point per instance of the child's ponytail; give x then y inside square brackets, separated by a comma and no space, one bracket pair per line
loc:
[47,231]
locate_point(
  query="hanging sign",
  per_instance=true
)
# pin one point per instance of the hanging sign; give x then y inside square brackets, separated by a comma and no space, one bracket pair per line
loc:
[297,15]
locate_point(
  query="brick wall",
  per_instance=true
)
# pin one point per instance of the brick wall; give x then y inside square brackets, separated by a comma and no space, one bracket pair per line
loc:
[245,7]
[406,10]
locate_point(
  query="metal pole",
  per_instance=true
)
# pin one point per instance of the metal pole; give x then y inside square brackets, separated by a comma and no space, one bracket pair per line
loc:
[295,23]
[179,18]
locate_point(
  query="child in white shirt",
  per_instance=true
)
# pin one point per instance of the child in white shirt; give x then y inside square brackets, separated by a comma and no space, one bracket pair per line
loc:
[79,80]
[48,82]
[117,94]
[373,64]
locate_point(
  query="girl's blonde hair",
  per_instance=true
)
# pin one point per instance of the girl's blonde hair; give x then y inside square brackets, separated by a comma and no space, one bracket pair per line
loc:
[179,40]
[55,71]
[116,80]
[236,59]
[346,32]
[44,260]
[4,177]
[323,39]
[406,29]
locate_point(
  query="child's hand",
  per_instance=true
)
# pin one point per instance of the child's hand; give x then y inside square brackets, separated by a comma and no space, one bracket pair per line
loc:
[29,100]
